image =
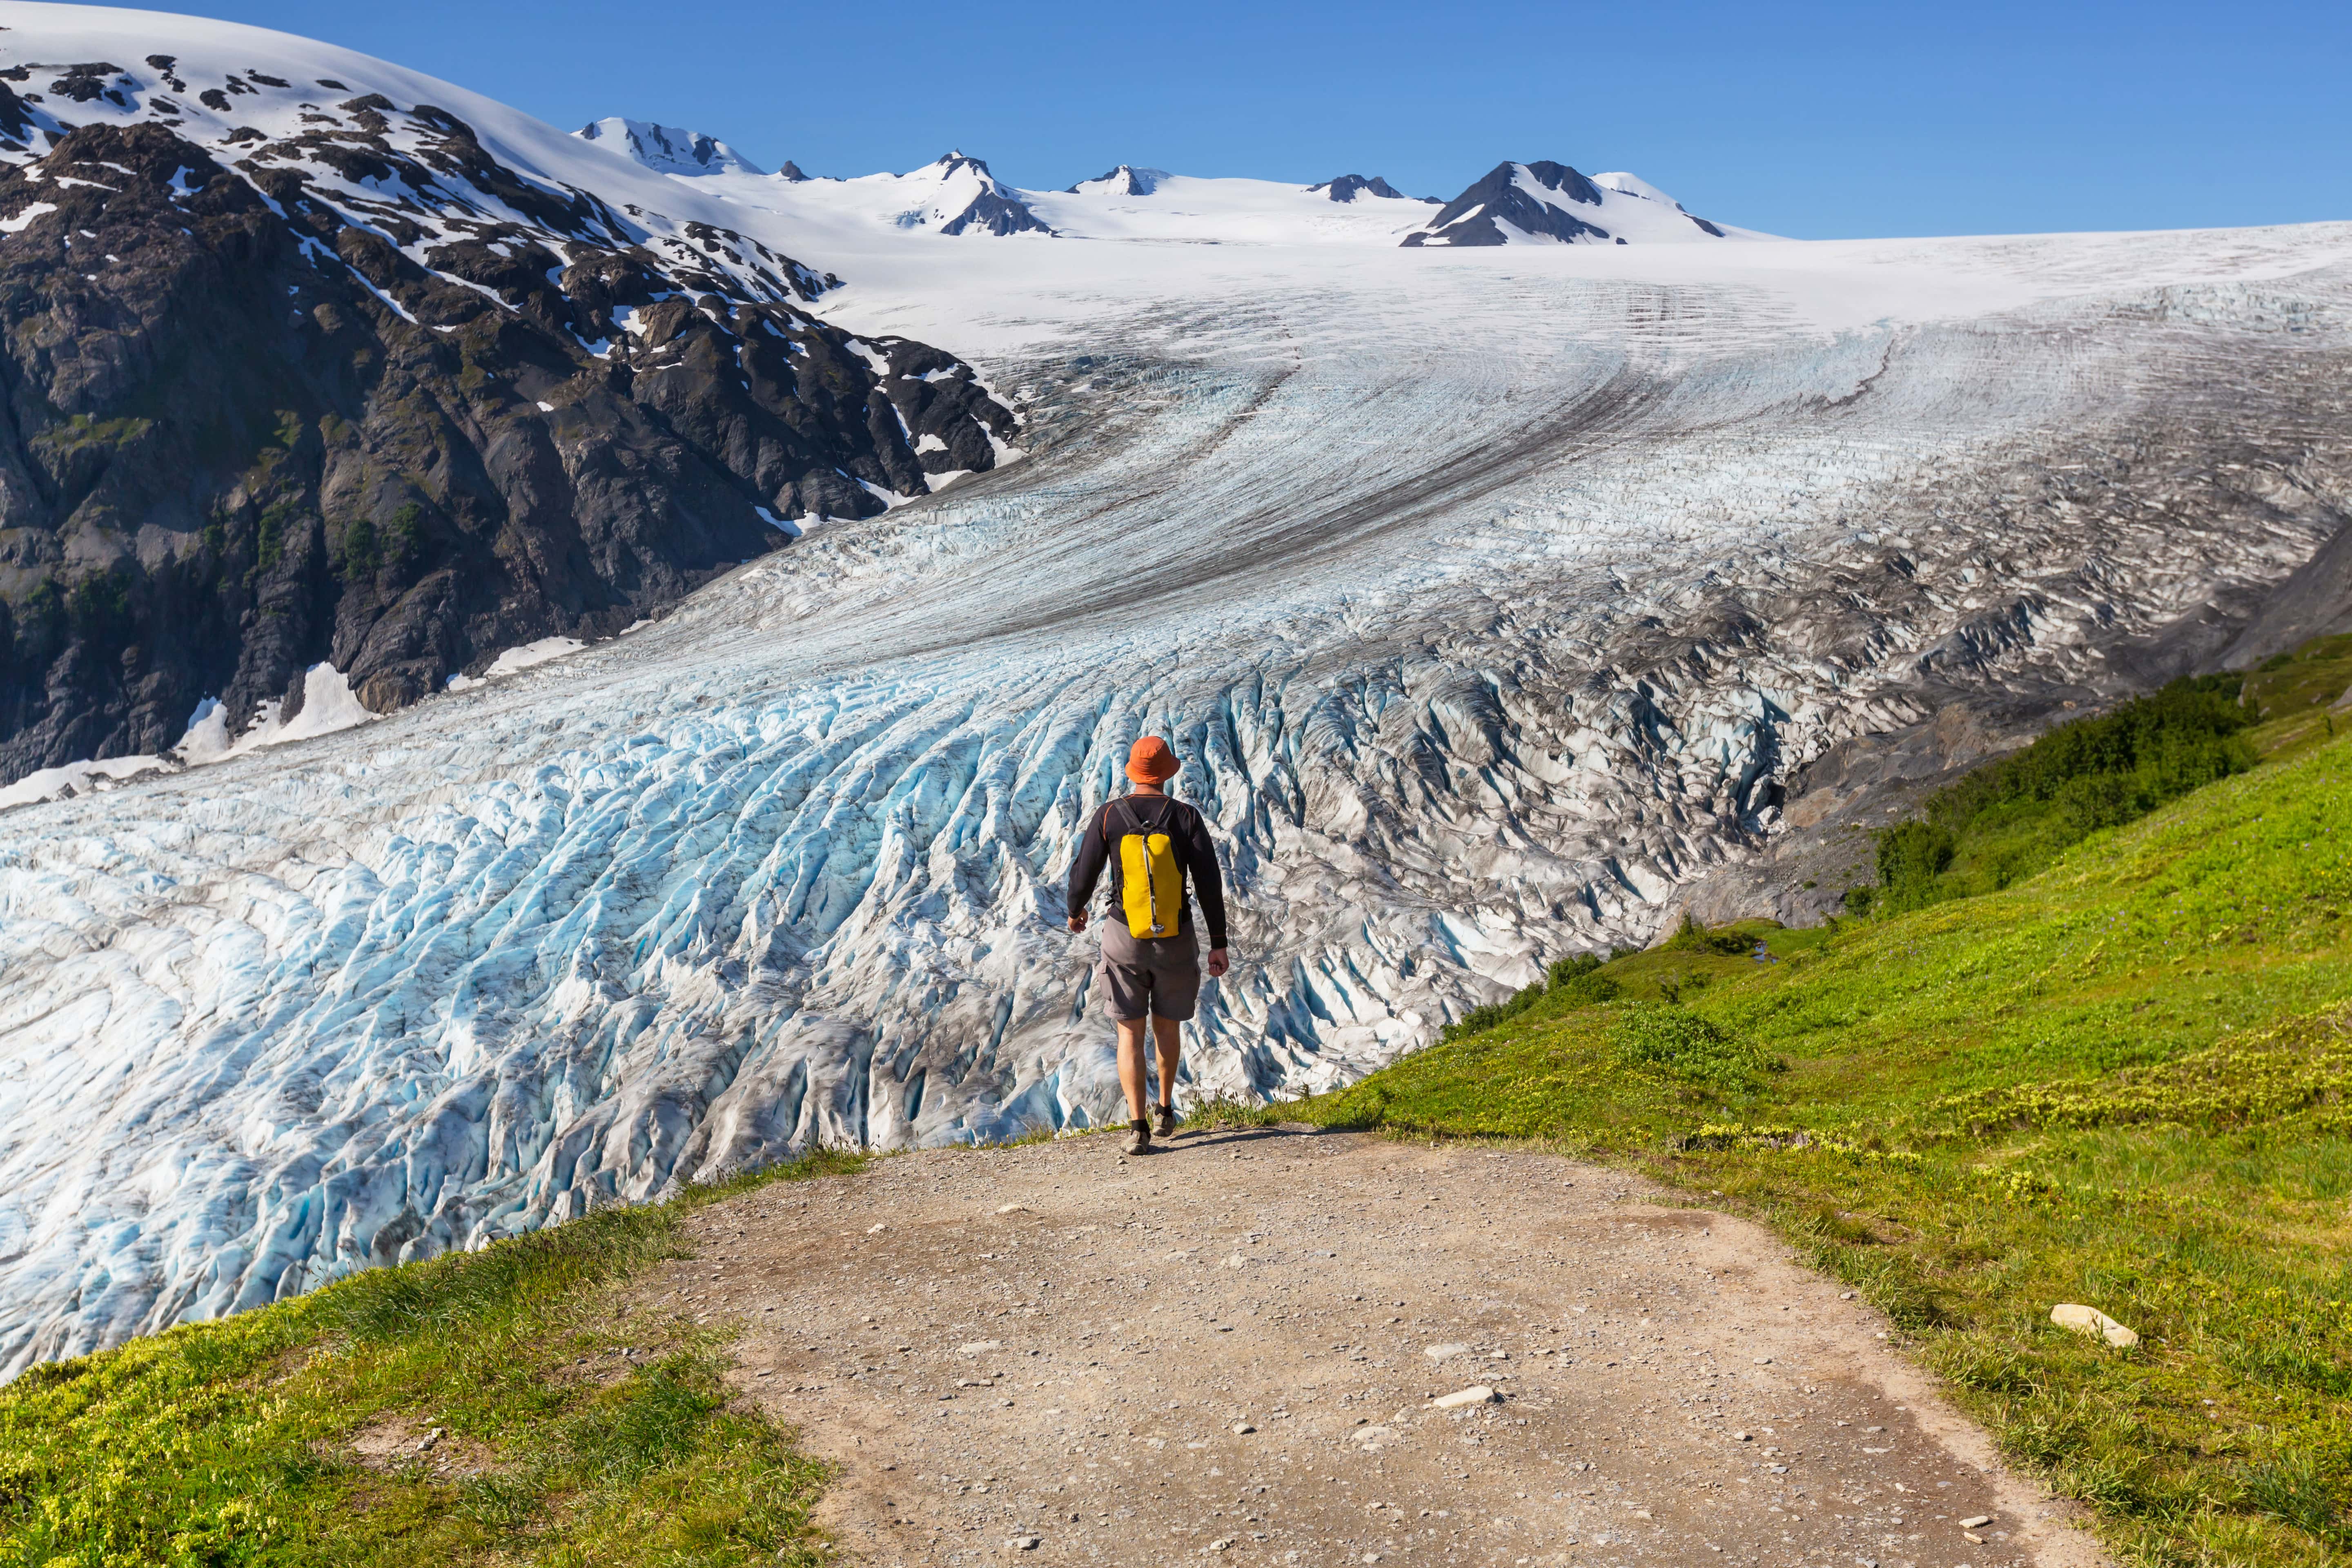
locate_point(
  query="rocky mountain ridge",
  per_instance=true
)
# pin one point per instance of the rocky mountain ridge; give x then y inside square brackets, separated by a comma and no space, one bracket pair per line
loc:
[669,149]
[1544,200]
[302,373]
[1514,204]
[1348,187]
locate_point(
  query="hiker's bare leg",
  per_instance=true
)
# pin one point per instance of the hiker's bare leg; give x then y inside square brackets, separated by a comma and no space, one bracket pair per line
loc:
[1130,1067]
[1168,1034]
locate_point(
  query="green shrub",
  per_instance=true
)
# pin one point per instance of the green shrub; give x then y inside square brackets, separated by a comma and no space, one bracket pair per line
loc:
[1480,1019]
[1692,937]
[100,605]
[359,552]
[1911,856]
[1580,983]
[269,542]
[405,539]
[1689,1047]
[1574,967]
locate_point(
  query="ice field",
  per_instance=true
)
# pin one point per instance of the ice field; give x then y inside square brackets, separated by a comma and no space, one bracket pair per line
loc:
[1488,596]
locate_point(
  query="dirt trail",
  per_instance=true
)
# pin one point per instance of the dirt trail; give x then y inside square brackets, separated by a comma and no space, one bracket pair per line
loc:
[1230,1348]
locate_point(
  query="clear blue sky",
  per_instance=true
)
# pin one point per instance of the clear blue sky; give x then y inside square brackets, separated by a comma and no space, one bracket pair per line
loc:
[1813,120]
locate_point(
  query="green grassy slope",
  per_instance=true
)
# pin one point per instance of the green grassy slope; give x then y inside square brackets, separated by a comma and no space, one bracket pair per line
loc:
[2123,1082]
[580,1436]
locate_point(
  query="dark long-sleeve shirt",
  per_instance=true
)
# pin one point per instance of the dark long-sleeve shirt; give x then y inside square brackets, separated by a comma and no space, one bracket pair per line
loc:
[1188,837]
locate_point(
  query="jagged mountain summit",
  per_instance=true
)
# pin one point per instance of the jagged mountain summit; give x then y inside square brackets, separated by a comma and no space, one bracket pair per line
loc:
[1124,181]
[1548,202]
[953,196]
[668,150]
[1348,187]
[956,195]
[318,362]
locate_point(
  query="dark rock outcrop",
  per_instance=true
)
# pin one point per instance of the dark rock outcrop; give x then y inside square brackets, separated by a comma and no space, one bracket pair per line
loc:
[2315,602]
[1124,181]
[1477,216]
[245,433]
[1348,187]
[667,148]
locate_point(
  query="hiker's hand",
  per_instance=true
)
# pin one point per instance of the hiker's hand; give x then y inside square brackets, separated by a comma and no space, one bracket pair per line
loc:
[1216,962]
[1078,921]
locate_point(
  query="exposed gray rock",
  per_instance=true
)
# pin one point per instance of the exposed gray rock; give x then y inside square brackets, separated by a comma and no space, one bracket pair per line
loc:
[1348,187]
[1124,181]
[1469,218]
[248,434]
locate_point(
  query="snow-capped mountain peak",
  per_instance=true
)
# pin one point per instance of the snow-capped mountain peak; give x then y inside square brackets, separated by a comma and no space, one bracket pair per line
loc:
[1126,180]
[1634,185]
[963,198]
[1348,187]
[667,148]
[1548,203]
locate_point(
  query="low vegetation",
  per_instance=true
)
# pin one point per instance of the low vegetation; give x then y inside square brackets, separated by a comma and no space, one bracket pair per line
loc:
[570,1433]
[2008,821]
[2124,1080]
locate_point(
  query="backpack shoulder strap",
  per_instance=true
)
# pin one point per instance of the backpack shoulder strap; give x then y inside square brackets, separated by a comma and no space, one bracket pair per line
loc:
[1134,822]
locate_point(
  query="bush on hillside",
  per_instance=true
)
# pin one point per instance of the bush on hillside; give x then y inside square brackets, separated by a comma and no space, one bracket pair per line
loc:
[2008,819]
[1682,1043]
[1692,937]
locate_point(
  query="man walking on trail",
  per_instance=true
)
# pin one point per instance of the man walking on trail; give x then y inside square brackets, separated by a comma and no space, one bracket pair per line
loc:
[1151,959]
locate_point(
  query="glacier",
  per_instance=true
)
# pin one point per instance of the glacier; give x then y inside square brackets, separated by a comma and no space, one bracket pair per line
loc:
[1490,597]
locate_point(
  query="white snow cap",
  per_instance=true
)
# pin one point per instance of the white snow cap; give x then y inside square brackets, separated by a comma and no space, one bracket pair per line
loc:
[1126,180]
[667,148]
[953,194]
[1545,202]
[1634,185]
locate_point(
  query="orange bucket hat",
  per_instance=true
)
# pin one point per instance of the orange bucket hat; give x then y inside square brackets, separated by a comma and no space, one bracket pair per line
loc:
[1148,760]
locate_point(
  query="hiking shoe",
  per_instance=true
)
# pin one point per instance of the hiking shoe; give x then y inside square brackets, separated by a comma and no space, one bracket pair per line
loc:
[1167,1122]
[1140,1144]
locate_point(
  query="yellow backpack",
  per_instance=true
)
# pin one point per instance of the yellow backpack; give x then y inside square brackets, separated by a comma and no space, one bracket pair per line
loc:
[1152,884]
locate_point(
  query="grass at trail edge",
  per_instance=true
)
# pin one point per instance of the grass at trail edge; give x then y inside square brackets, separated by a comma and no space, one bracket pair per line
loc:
[2126,1082]
[582,1437]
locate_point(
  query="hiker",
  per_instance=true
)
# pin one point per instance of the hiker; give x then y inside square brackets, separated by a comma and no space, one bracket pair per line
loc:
[1150,958]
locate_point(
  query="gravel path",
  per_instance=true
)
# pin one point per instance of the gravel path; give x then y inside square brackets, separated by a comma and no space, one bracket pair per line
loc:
[1234,1349]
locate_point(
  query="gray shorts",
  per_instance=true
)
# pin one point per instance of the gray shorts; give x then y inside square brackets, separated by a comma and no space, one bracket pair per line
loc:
[1143,976]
